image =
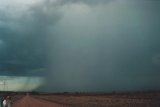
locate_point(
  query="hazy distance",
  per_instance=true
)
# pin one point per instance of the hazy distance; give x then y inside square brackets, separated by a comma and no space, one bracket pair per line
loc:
[80,45]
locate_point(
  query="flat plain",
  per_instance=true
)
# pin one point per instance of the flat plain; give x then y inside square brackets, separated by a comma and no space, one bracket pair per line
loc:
[104,100]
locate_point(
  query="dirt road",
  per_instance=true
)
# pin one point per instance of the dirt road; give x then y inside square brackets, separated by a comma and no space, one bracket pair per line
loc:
[29,101]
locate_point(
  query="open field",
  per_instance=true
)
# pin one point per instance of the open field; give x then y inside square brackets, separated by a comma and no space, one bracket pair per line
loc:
[141,99]
[105,100]
[29,101]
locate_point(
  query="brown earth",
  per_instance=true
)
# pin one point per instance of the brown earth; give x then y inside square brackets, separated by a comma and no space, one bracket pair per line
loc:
[88,100]
[29,101]
[105,100]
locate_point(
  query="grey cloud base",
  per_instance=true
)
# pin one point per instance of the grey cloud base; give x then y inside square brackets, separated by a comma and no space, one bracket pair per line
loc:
[78,47]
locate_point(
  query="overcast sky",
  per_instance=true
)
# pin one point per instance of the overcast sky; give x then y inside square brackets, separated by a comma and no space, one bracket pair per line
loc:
[80,45]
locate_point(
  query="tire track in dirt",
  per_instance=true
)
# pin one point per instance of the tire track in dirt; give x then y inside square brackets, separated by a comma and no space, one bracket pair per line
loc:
[29,101]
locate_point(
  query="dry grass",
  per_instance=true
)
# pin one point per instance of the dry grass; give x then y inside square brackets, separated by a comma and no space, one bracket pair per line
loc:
[16,97]
[105,100]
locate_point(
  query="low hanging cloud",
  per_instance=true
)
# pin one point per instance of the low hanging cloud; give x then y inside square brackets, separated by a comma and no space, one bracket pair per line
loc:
[89,2]
[26,38]
[102,48]
[26,34]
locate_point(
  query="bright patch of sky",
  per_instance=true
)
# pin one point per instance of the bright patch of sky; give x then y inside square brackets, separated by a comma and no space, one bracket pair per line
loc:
[13,83]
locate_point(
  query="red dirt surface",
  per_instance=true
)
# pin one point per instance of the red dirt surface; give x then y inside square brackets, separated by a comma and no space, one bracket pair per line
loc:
[126,100]
[29,101]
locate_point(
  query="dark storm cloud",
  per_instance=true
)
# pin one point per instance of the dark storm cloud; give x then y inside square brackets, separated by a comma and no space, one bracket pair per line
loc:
[83,48]
[89,2]
[26,39]
[113,49]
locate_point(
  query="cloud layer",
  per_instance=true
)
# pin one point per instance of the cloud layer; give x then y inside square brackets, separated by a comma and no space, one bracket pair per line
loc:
[82,45]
